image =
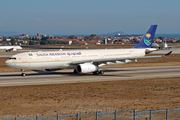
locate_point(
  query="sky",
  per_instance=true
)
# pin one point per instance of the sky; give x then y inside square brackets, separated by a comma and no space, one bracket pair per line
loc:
[71,17]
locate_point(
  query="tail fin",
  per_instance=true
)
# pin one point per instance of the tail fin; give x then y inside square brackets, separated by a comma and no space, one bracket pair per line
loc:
[147,39]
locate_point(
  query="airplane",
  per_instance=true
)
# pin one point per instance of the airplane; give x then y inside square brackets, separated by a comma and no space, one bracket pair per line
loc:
[10,48]
[84,61]
[166,46]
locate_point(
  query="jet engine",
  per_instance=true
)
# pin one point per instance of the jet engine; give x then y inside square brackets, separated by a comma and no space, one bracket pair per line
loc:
[14,49]
[86,68]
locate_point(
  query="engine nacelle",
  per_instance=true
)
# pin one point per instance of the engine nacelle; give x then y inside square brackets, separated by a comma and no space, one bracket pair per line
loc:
[149,50]
[86,68]
[14,49]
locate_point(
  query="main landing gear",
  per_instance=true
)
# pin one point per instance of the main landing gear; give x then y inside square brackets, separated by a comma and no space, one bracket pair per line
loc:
[75,71]
[8,50]
[23,73]
[101,72]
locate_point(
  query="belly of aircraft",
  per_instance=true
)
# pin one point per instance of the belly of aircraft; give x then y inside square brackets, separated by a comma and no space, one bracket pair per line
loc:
[44,65]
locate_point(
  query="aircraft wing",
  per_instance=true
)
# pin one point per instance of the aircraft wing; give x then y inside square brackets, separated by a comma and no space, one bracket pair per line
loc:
[99,61]
[9,48]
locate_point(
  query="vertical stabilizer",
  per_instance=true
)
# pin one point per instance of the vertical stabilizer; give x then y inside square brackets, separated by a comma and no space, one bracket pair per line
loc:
[147,39]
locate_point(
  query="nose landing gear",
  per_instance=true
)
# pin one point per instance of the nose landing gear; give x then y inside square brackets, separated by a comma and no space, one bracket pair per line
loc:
[23,73]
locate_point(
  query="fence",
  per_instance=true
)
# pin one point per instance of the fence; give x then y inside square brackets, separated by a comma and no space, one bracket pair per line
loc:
[168,114]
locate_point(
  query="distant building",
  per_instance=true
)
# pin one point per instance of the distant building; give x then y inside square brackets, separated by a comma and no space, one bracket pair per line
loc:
[23,36]
[105,41]
[50,37]
[8,39]
[39,36]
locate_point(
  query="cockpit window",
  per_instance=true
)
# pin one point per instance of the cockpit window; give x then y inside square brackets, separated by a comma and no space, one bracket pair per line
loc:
[12,58]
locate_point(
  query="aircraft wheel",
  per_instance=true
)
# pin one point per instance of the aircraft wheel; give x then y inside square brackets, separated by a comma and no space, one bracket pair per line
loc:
[75,71]
[101,72]
[23,74]
[96,73]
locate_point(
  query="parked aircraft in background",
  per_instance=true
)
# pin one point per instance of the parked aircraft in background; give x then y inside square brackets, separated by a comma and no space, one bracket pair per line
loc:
[165,46]
[10,48]
[84,61]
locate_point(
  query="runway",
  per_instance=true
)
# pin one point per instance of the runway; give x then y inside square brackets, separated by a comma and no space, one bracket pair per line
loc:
[67,76]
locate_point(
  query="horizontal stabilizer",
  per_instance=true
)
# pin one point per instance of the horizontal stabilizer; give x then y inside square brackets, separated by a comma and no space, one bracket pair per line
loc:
[168,53]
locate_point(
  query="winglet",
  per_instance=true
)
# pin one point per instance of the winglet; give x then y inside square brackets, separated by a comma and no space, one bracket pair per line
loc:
[168,53]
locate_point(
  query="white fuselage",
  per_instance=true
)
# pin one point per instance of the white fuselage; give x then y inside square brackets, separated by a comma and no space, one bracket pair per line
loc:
[65,59]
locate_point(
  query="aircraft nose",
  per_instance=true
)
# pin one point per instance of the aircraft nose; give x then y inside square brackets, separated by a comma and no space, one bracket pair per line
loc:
[7,62]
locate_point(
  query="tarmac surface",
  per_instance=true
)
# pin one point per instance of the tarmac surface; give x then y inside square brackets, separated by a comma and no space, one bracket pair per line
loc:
[67,76]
